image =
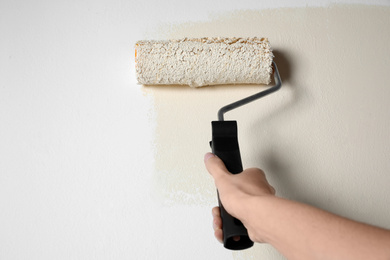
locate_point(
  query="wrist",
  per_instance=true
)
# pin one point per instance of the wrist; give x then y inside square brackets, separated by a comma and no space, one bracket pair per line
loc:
[256,217]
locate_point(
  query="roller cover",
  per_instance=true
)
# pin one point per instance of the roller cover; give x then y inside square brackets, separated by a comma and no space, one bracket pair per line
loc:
[204,61]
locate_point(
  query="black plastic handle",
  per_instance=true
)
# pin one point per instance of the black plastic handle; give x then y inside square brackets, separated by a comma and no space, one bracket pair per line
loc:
[224,144]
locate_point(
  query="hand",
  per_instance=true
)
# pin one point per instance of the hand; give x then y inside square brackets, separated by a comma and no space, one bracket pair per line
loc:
[297,230]
[235,190]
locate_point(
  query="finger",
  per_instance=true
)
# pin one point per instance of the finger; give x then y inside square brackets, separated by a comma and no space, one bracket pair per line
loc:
[217,223]
[215,165]
[219,235]
[216,212]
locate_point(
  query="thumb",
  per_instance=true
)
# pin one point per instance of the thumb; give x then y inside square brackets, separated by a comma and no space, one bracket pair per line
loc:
[215,166]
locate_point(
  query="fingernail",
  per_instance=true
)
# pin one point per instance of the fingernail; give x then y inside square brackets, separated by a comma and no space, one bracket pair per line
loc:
[208,156]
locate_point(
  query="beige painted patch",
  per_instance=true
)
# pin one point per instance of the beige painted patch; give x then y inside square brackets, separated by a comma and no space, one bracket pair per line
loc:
[322,139]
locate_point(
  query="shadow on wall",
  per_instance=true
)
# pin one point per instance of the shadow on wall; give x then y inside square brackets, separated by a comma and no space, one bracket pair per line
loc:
[284,66]
[280,168]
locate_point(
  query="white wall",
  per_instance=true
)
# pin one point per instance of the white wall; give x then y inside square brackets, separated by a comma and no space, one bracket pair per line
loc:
[94,166]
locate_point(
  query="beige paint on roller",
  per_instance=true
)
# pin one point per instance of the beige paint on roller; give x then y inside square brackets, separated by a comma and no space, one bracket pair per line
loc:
[322,139]
[204,61]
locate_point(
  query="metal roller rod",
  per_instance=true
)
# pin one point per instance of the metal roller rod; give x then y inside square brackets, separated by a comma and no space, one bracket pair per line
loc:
[244,101]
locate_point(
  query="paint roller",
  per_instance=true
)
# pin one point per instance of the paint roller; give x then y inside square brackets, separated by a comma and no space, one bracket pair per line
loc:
[207,61]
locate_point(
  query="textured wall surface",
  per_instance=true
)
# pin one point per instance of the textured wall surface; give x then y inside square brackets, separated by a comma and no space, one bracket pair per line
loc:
[94,166]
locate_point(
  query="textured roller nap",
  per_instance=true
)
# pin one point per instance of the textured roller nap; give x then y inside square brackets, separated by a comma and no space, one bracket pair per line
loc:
[204,61]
